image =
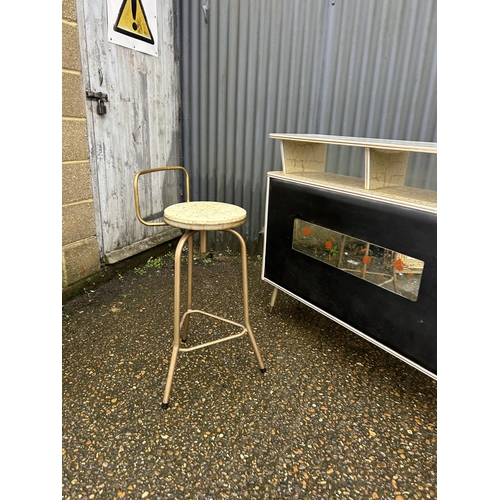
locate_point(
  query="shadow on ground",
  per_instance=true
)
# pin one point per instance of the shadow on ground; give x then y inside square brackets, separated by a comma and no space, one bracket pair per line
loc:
[333,417]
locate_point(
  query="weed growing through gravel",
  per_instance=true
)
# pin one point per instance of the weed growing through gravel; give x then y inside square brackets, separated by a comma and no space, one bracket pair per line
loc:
[159,262]
[154,262]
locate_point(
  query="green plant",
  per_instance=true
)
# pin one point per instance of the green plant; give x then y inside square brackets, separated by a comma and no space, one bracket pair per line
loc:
[120,277]
[139,270]
[259,257]
[207,261]
[228,251]
[154,262]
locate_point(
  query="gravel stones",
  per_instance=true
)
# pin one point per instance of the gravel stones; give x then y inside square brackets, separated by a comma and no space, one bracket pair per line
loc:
[333,416]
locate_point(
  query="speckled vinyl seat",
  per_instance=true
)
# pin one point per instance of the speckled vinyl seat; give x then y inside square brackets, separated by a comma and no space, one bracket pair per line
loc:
[193,217]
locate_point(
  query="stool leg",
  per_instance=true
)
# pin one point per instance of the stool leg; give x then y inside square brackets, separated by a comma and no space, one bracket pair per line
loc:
[245,298]
[185,326]
[170,377]
[177,314]
[203,241]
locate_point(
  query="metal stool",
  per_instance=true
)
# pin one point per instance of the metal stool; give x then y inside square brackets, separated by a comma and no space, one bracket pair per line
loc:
[199,216]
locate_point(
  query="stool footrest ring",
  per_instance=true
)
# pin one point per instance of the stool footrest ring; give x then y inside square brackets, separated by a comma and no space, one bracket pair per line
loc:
[217,341]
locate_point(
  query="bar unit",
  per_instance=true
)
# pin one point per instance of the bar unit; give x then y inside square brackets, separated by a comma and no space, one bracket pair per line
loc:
[362,251]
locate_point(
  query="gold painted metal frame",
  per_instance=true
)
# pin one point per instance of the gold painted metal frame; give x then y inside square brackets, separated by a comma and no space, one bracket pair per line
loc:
[203,234]
[136,191]
[183,323]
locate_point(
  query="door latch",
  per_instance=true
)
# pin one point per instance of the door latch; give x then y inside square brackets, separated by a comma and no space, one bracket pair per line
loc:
[101,98]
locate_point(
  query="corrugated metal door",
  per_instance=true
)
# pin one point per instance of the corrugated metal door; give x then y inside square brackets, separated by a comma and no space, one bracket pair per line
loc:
[363,68]
[140,129]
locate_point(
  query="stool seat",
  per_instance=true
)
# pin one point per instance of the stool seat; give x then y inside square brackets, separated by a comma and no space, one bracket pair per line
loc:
[204,215]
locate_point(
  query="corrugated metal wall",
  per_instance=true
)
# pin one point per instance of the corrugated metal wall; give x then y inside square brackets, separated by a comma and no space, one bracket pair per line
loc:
[362,68]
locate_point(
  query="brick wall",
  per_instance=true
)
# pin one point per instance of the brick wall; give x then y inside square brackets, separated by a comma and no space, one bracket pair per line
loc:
[80,252]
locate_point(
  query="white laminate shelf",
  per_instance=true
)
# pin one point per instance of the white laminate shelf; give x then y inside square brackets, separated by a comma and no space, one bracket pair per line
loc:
[422,199]
[340,140]
[304,160]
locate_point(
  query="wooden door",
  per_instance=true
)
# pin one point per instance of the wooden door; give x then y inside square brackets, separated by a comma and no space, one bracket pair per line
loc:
[139,130]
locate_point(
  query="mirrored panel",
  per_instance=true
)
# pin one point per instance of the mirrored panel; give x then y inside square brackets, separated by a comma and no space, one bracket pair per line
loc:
[385,268]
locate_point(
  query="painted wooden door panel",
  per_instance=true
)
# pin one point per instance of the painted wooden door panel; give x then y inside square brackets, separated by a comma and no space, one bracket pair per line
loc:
[139,130]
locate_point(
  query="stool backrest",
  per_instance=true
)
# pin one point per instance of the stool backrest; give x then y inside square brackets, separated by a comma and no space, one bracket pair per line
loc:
[136,191]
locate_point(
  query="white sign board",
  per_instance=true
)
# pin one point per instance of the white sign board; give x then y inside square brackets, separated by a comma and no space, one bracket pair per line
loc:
[133,24]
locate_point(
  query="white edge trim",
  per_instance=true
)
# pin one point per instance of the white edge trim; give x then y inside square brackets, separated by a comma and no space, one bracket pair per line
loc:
[265,229]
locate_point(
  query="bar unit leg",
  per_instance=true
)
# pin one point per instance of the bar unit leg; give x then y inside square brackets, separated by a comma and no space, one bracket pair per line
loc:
[273,300]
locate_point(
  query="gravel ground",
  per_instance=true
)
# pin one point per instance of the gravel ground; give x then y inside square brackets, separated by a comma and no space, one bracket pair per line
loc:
[333,417]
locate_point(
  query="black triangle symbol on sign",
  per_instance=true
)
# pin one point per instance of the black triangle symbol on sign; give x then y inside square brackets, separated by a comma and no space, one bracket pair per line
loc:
[132,21]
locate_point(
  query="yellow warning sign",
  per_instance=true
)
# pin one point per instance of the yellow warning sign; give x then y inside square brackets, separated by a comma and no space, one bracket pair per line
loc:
[132,21]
